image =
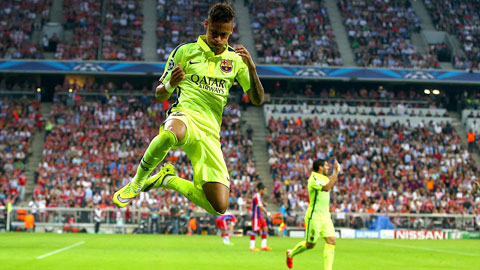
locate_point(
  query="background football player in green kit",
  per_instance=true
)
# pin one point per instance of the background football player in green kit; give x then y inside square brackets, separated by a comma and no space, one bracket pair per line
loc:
[202,73]
[317,217]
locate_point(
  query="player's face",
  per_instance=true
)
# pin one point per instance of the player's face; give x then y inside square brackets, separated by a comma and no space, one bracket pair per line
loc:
[218,34]
[326,167]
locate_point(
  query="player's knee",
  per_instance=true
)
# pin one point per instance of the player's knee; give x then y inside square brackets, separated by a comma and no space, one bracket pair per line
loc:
[331,241]
[220,207]
[310,245]
[218,196]
[167,138]
[177,128]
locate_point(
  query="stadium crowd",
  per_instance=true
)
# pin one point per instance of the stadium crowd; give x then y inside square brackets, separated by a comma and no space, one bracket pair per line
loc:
[460,18]
[380,33]
[93,149]
[84,19]
[293,32]
[359,96]
[122,33]
[19,119]
[18,21]
[179,23]
[387,168]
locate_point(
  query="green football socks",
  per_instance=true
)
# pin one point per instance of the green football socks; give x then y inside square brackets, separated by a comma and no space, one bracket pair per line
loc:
[156,152]
[299,248]
[187,189]
[328,254]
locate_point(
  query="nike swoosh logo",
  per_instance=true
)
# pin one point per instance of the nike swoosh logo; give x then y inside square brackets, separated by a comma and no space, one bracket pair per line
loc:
[151,185]
[193,63]
[143,167]
[122,200]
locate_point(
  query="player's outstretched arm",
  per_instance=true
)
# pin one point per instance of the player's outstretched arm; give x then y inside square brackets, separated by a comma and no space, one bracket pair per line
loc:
[256,92]
[333,178]
[164,91]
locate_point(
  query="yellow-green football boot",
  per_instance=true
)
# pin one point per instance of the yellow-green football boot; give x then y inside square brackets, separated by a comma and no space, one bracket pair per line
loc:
[125,195]
[157,180]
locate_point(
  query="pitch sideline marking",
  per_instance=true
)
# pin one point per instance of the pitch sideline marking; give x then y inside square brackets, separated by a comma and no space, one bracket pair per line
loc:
[60,250]
[427,249]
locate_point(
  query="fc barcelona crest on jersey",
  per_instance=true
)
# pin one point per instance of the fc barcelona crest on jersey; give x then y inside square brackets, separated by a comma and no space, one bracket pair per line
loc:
[226,65]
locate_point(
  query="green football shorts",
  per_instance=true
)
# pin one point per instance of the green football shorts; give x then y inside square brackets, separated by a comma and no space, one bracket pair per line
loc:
[318,226]
[203,150]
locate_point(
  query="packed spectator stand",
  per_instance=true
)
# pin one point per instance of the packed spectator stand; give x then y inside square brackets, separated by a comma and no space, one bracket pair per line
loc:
[293,32]
[460,18]
[402,166]
[19,120]
[84,18]
[122,33]
[18,20]
[380,33]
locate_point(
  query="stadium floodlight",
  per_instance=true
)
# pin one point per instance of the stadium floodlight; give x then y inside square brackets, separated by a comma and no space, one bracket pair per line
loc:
[39,89]
[427,91]
[436,92]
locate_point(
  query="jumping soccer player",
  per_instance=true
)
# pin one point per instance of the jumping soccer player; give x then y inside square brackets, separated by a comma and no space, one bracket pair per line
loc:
[259,224]
[226,223]
[317,217]
[202,73]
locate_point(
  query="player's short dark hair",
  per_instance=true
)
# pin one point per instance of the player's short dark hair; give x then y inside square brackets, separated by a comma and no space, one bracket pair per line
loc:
[260,186]
[221,12]
[318,163]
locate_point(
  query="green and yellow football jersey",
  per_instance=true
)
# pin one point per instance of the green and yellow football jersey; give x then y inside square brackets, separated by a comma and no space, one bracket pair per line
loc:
[208,78]
[319,199]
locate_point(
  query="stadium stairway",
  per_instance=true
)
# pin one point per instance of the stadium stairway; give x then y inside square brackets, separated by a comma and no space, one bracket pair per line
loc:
[427,25]
[462,133]
[56,17]
[37,148]
[56,13]
[244,29]
[340,33]
[254,117]
[149,42]
[457,46]
[422,13]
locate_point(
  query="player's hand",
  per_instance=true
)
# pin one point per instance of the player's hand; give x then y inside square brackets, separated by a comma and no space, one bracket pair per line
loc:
[177,76]
[246,57]
[338,167]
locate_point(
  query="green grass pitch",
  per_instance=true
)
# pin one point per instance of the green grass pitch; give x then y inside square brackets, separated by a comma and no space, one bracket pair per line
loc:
[20,251]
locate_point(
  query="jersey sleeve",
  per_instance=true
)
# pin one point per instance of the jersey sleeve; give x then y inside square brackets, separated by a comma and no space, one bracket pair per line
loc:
[319,182]
[243,76]
[176,56]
